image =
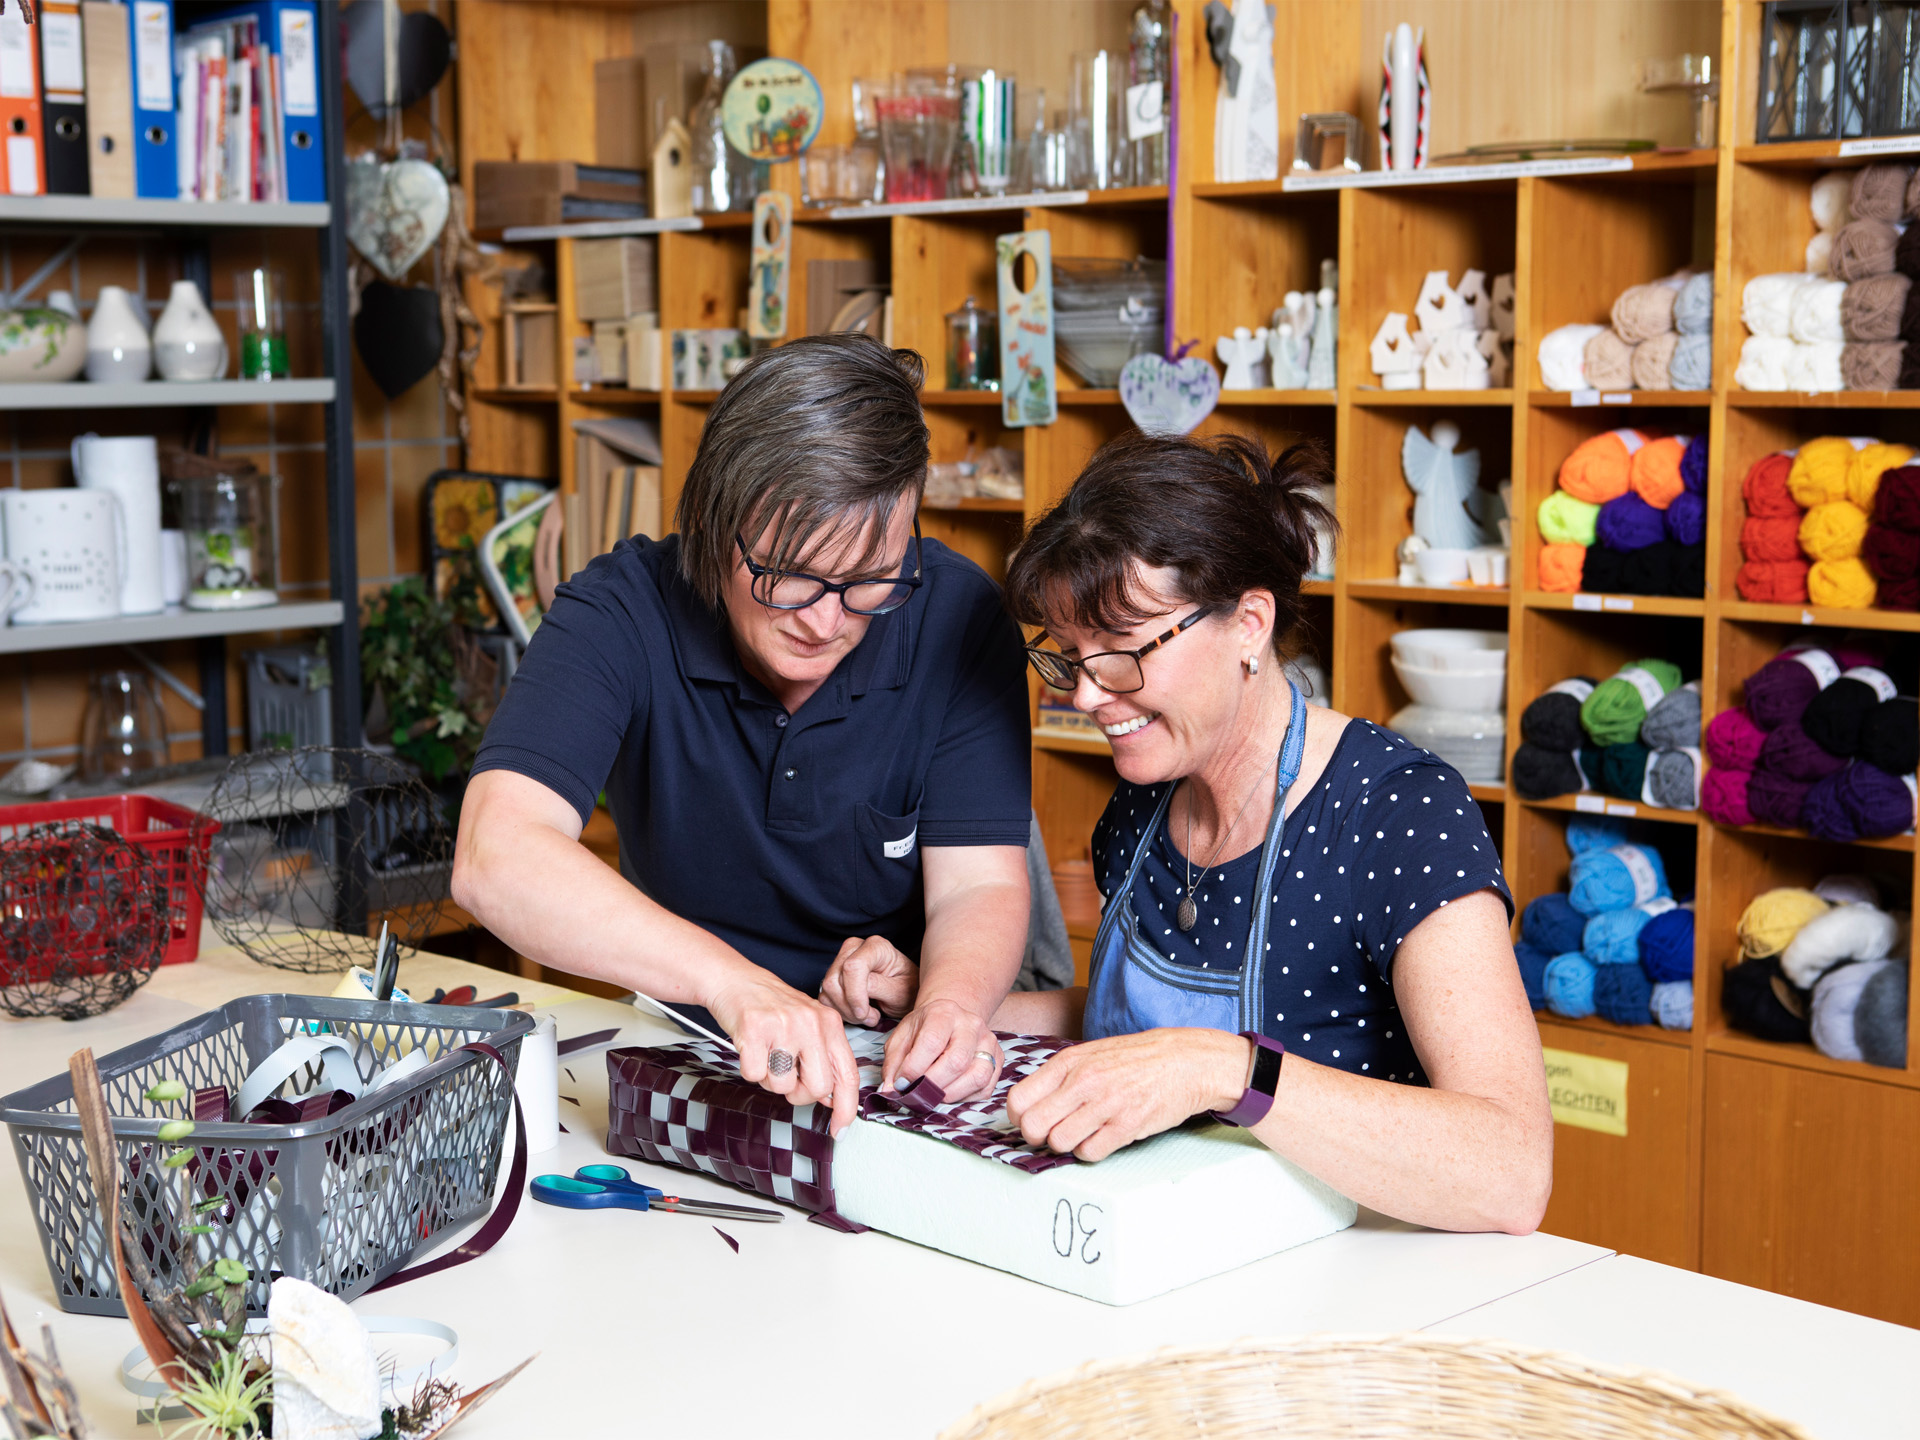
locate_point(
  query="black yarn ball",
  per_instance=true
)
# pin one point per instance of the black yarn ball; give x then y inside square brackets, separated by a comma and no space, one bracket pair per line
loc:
[1553,722]
[1760,1001]
[1541,774]
[1890,735]
[1649,570]
[1590,761]
[1605,569]
[1689,572]
[1833,718]
[1623,769]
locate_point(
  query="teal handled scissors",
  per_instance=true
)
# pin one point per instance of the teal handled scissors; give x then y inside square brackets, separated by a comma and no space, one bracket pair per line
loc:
[610,1187]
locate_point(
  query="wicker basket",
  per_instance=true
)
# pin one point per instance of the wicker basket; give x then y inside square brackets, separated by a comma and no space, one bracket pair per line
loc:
[1360,1387]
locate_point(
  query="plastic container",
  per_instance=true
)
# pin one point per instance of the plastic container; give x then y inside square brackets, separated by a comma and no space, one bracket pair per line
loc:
[1473,743]
[1095,345]
[342,1202]
[1473,651]
[1453,689]
[175,836]
[1099,282]
[229,522]
[973,348]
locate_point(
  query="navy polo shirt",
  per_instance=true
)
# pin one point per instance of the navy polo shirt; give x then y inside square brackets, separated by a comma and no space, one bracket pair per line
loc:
[781,834]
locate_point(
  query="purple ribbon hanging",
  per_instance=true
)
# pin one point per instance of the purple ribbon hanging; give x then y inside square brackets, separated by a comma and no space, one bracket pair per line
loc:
[1173,173]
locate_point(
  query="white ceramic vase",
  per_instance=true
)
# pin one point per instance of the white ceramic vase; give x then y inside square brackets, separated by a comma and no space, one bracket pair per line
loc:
[187,343]
[40,343]
[118,349]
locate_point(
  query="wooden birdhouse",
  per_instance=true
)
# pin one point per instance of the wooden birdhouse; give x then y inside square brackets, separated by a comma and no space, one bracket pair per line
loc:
[673,173]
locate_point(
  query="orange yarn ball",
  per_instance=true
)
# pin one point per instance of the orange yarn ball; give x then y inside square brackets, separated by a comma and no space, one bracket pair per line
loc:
[1560,568]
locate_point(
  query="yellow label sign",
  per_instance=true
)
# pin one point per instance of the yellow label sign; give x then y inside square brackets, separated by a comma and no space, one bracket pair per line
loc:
[1587,1091]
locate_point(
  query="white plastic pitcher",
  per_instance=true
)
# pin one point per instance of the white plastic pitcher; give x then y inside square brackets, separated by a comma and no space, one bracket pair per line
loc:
[129,467]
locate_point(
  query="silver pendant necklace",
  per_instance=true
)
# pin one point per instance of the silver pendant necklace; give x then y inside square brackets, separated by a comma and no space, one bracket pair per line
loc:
[1187,914]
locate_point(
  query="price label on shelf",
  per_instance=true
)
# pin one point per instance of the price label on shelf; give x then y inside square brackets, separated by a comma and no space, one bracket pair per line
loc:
[1586,602]
[1806,617]
[1590,804]
[1581,399]
[1616,602]
[1625,812]
[1884,145]
[1617,397]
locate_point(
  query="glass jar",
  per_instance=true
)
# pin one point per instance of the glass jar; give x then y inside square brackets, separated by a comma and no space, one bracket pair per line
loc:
[1097,113]
[723,178]
[124,729]
[228,519]
[261,293]
[919,125]
[1145,133]
[973,348]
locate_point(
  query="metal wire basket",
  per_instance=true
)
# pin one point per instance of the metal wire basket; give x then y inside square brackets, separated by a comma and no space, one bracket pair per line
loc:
[341,1201]
[1365,1387]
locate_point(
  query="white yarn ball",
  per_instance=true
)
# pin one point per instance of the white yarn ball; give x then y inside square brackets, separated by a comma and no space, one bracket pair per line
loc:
[1846,932]
[1831,200]
[1820,253]
[1766,305]
[1835,1000]
[1848,890]
[1563,356]
[1763,362]
[1814,314]
[1815,369]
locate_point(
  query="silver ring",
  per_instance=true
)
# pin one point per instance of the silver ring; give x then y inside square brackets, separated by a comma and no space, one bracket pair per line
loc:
[779,1062]
[992,1064]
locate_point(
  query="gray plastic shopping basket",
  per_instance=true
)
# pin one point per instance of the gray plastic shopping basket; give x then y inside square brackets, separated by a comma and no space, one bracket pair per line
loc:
[341,1201]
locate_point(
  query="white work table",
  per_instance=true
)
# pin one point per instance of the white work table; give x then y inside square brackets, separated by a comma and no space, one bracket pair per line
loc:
[809,1332]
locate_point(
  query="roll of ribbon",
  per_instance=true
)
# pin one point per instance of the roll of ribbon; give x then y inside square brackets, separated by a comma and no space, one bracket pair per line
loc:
[537,1083]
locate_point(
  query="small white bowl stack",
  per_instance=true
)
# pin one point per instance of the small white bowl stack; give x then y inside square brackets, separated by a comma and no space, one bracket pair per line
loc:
[1458,682]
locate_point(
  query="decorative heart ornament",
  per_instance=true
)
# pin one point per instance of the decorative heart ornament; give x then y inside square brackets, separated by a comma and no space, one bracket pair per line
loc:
[399,335]
[395,212]
[1168,397]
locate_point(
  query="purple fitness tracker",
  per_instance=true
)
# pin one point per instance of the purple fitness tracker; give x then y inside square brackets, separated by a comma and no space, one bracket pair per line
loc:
[1258,1099]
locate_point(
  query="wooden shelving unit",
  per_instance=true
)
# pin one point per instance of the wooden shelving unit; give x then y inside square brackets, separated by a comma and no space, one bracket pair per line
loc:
[1763,1163]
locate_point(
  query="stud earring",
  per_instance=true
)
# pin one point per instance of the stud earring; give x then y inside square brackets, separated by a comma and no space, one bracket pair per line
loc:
[1253,664]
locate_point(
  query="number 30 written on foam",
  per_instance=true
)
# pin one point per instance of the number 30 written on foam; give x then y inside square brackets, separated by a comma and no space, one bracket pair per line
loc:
[1071,1226]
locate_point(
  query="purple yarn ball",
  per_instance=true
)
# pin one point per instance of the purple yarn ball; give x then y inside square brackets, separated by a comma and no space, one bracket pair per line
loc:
[1825,811]
[1790,751]
[1878,803]
[1779,691]
[1686,518]
[1693,469]
[1776,800]
[1629,523]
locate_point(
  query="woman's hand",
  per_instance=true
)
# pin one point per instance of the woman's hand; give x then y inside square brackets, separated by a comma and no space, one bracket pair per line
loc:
[1096,1097]
[765,1016]
[870,978]
[947,1044]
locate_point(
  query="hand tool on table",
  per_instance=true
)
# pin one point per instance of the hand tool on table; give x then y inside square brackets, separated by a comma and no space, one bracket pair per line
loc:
[610,1187]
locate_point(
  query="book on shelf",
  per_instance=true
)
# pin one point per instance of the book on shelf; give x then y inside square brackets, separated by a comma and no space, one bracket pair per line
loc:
[156,163]
[105,47]
[20,122]
[1057,717]
[63,100]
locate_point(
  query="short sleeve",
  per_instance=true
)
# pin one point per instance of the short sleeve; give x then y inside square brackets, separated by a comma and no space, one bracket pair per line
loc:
[579,690]
[1421,844]
[979,784]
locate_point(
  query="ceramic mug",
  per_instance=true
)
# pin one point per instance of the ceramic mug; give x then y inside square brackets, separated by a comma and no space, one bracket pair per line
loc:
[74,542]
[16,588]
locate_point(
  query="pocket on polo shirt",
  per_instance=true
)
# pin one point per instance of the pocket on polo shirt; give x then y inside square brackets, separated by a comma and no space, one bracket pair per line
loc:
[887,868]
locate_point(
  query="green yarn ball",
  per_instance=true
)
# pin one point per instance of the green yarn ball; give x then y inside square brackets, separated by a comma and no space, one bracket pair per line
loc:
[1613,713]
[1565,520]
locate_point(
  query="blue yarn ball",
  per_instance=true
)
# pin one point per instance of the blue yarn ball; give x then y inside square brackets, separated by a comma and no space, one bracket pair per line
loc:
[1614,938]
[1673,1004]
[1666,947]
[1604,880]
[1550,923]
[1533,972]
[1623,994]
[1584,834]
[1569,985]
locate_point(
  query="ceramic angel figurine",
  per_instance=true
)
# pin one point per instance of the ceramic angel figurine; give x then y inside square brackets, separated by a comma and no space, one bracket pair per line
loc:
[1440,307]
[1242,352]
[1455,362]
[1396,358]
[1502,306]
[1450,511]
[1290,341]
[1320,368]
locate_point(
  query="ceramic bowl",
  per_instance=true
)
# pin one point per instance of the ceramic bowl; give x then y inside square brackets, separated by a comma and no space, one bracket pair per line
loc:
[1452,689]
[1441,567]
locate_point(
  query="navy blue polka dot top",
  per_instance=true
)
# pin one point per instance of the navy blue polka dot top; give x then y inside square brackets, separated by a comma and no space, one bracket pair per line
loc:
[1388,836]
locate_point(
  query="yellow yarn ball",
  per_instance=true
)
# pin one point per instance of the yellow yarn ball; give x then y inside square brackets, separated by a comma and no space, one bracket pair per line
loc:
[1775,918]
[1841,585]
[1833,531]
[1819,472]
[1863,475]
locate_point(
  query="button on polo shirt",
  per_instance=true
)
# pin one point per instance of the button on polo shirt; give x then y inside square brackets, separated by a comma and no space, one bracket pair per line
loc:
[781,834]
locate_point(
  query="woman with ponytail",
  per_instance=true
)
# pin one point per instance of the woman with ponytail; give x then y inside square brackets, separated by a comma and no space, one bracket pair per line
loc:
[1306,926]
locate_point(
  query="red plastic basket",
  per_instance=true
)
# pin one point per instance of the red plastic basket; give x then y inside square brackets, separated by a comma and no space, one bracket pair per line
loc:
[178,838]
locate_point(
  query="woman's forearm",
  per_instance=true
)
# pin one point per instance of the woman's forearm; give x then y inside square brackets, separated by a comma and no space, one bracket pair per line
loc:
[1042,1012]
[977,908]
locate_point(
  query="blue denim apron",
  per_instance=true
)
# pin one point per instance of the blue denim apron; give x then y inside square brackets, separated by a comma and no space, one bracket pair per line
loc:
[1135,987]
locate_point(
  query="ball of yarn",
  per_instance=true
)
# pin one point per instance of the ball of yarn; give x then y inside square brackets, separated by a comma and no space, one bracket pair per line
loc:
[1623,769]
[1872,309]
[1653,362]
[1781,689]
[1766,303]
[1830,1017]
[1766,489]
[1824,812]
[1770,537]
[1614,938]
[1605,572]
[1723,796]
[1814,367]
[1833,718]
[1759,1001]
[1901,594]
[1869,464]
[1772,582]
[1776,799]
[1831,199]
[1561,568]
[1648,569]
[1594,832]
[1551,923]
[1692,365]
[1765,365]
[1848,889]
[1654,473]
[1880,191]
[1563,363]
[1689,571]
[1552,719]
[1896,501]
[1773,917]
[1790,752]
[1841,584]
[1672,1005]
[1533,972]
[1644,311]
[1864,248]
[1693,465]
[1628,522]
[1872,364]
[1733,740]
[1906,253]
[1814,315]
[1622,994]
[1674,724]
[1618,706]
[1666,946]
[1588,759]
[1614,878]
[1818,472]
[1890,736]
[1540,774]
[1910,368]
[1880,1017]
[1608,362]
[1890,554]
[1673,779]
[1879,804]
[1686,519]
[1567,521]
[1600,467]
[1845,932]
[1568,983]
[1833,531]
[1693,305]
[1817,258]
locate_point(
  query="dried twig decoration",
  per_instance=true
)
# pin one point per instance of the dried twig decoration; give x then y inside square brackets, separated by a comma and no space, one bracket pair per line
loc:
[36,1398]
[460,256]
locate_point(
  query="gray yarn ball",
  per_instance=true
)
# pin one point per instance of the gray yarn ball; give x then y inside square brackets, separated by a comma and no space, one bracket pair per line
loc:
[1672,780]
[1692,365]
[1880,1019]
[1693,308]
[1674,723]
[1672,1004]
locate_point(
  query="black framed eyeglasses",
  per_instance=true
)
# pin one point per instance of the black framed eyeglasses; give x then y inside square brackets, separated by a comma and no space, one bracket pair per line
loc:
[1117,672]
[791,590]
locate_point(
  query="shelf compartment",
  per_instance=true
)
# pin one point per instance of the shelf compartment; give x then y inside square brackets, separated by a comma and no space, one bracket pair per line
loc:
[1431,594]
[169,214]
[1257,253]
[1372,528]
[175,623]
[158,394]
[1726,1041]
